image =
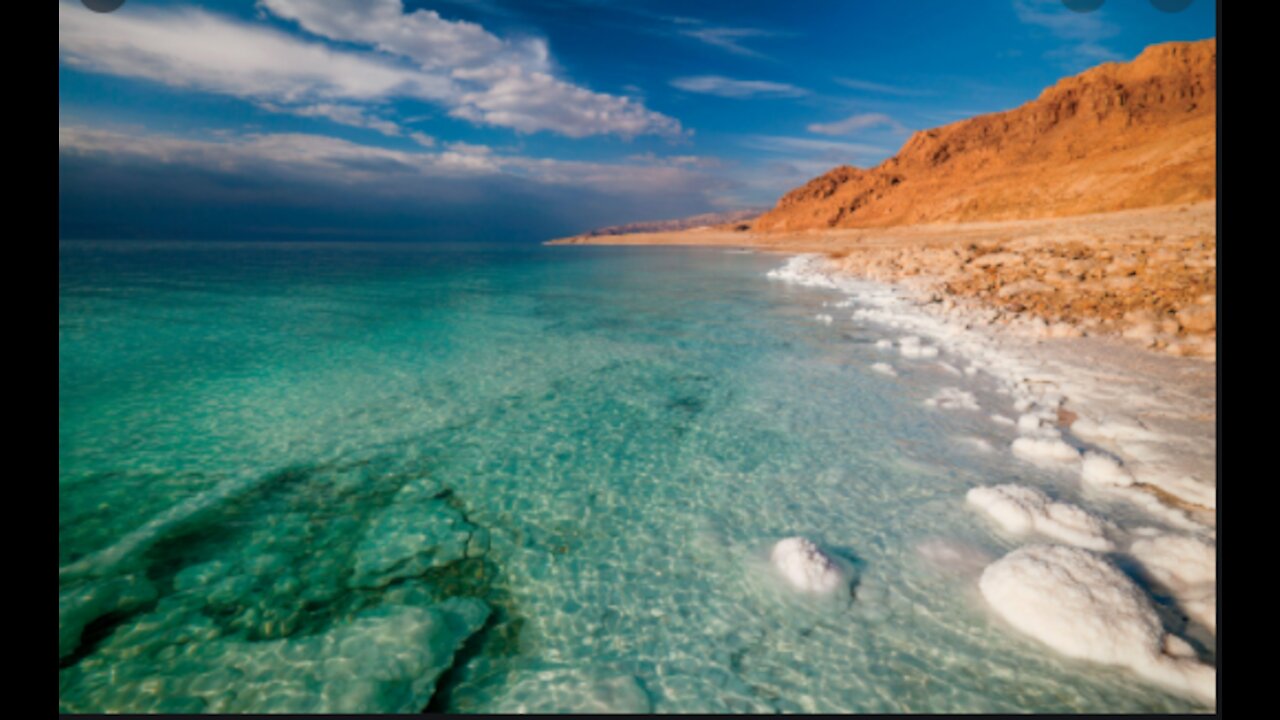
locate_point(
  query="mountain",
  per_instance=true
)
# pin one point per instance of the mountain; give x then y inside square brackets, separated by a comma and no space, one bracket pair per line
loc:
[686,223]
[1115,137]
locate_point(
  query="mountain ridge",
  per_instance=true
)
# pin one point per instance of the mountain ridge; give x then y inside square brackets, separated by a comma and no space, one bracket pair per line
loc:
[1117,136]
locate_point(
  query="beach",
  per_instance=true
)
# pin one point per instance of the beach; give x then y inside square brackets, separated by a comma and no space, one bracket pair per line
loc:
[1109,363]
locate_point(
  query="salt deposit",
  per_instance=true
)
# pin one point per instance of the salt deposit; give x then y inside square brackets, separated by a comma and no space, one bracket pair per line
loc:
[806,567]
[1101,470]
[1044,450]
[1022,510]
[884,369]
[950,398]
[1187,567]
[1078,603]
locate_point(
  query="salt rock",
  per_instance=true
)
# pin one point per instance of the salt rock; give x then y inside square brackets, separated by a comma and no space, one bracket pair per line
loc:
[1081,605]
[807,567]
[1044,450]
[1187,566]
[1020,510]
[1102,471]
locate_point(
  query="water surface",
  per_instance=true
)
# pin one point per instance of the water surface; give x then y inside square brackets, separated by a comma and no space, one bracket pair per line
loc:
[399,477]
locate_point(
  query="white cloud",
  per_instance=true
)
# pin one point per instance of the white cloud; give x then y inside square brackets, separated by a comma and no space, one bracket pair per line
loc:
[855,123]
[341,114]
[794,145]
[730,88]
[190,48]
[329,160]
[508,83]
[727,38]
[1083,31]
[880,88]
[476,75]
[422,139]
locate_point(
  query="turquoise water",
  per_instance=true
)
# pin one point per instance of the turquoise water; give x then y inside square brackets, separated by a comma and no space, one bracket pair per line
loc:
[314,477]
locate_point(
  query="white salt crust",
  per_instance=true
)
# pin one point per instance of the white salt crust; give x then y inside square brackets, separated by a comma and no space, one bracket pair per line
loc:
[1023,510]
[1078,603]
[884,369]
[806,567]
[1039,380]
[1187,566]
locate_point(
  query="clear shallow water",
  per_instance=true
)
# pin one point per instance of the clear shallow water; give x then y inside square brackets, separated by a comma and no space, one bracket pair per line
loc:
[386,478]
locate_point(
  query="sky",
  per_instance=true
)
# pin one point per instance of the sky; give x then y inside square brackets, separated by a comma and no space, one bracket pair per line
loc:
[494,120]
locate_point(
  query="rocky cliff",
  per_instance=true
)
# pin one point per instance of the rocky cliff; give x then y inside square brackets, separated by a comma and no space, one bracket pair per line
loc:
[1115,137]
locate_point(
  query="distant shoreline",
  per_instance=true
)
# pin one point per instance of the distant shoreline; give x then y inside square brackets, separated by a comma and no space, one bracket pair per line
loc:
[1145,275]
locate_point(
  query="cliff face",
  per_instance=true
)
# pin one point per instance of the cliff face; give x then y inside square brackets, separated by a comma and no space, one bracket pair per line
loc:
[1115,137]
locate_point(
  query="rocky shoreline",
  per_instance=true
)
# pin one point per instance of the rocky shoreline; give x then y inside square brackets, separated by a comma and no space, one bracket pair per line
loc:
[1148,276]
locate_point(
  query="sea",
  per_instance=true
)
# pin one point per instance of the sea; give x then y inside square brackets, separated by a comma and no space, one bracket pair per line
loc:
[407,477]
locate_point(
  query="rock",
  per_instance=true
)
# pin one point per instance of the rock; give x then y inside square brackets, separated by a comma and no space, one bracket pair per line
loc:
[997,259]
[1198,318]
[1024,287]
[417,531]
[89,600]
[1063,330]
[1143,331]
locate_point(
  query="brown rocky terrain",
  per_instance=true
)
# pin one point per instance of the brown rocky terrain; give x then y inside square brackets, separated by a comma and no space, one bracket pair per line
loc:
[1091,208]
[1115,137]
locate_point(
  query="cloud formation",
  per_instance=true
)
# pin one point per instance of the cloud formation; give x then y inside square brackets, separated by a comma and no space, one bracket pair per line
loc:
[729,39]
[127,183]
[1083,32]
[856,123]
[478,76]
[739,89]
[869,86]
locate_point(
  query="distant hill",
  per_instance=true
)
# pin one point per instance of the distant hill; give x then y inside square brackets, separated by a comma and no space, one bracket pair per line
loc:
[1115,137]
[694,221]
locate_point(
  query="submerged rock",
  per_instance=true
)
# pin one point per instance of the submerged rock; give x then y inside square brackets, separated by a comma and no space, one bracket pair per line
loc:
[90,600]
[416,532]
[572,691]
[385,660]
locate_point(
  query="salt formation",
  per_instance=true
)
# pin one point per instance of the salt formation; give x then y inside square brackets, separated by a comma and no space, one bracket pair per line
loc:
[884,369]
[977,444]
[950,398]
[1022,510]
[884,344]
[1103,471]
[806,567]
[910,347]
[1045,450]
[1187,567]
[1078,603]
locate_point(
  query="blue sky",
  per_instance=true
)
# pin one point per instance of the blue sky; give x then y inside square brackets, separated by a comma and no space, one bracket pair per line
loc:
[525,119]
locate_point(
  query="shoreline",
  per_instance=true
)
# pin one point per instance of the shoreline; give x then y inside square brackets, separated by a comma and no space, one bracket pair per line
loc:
[1113,378]
[1146,275]
[1128,424]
